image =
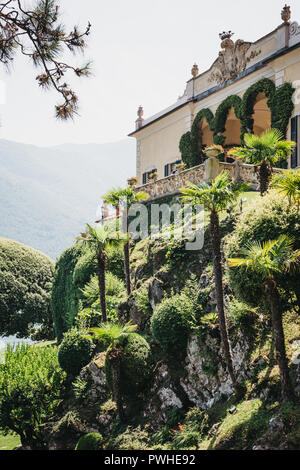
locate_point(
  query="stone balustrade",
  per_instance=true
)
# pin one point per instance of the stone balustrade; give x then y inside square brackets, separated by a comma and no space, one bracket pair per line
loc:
[239,172]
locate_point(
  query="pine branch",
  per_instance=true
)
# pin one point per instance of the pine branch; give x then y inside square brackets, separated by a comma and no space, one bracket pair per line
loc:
[37,34]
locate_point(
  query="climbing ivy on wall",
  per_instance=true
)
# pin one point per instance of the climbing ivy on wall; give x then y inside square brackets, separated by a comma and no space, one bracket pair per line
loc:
[188,149]
[265,86]
[282,107]
[221,115]
[190,144]
[280,104]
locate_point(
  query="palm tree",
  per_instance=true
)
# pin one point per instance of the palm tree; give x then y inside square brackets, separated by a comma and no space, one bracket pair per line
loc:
[264,151]
[217,198]
[267,261]
[100,238]
[125,198]
[110,335]
[288,184]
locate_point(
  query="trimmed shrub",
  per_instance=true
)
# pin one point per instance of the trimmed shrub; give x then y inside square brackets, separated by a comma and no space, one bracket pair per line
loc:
[135,364]
[65,293]
[26,277]
[266,219]
[75,351]
[91,441]
[172,321]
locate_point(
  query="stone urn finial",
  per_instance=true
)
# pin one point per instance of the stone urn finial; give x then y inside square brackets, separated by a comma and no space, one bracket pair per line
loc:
[140,113]
[286,14]
[195,71]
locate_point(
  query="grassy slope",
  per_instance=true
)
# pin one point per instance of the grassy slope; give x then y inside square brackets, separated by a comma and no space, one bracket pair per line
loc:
[9,442]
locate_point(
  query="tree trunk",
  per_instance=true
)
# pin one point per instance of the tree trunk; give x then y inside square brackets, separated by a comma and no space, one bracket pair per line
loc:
[274,299]
[127,267]
[115,372]
[218,276]
[264,177]
[101,281]
[125,223]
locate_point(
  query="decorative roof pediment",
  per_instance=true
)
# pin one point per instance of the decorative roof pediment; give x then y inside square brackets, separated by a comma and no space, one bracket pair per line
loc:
[233,58]
[294,33]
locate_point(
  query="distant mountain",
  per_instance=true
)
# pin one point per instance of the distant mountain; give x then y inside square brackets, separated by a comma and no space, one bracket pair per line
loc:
[48,194]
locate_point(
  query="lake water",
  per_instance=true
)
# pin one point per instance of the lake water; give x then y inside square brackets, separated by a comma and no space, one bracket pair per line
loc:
[12,340]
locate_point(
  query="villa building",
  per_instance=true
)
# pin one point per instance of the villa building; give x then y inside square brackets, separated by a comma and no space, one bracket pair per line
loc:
[249,88]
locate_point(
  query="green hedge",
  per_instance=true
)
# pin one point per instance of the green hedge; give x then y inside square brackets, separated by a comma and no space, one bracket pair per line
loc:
[73,271]
[26,277]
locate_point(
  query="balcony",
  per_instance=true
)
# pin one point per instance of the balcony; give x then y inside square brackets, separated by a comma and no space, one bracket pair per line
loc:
[207,171]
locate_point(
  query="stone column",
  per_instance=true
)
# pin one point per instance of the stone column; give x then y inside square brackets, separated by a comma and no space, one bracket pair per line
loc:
[212,169]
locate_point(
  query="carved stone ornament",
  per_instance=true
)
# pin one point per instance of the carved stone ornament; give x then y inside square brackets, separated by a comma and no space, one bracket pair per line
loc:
[294,29]
[286,14]
[232,60]
[195,71]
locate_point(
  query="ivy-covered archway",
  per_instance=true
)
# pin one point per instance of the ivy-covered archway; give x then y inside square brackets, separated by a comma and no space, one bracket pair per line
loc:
[265,86]
[279,102]
[196,127]
[190,143]
[221,115]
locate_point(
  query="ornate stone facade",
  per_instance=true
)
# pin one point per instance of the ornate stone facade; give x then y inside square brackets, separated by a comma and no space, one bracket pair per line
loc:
[233,58]
[240,65]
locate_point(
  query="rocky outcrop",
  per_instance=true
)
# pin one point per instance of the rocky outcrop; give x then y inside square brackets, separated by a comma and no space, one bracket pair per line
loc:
[94,375]
[207,380]
[129,311]
[203,378]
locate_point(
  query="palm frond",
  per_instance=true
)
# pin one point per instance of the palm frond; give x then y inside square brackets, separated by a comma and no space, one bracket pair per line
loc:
[216,196]
[268,258]
[288,184]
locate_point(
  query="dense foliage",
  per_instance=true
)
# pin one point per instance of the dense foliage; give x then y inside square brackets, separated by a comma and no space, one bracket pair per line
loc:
[25,287]
[114,287]
[74,271]
[75,351]
[271,215]
[134,364]
[109,333]
[31,383]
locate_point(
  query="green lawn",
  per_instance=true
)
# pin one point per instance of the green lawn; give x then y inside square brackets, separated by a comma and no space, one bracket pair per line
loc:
[9,442]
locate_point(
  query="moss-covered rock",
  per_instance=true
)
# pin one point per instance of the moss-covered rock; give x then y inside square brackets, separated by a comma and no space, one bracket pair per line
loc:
[91,441]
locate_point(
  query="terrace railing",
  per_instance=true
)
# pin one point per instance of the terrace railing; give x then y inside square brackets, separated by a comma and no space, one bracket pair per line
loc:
[205,172]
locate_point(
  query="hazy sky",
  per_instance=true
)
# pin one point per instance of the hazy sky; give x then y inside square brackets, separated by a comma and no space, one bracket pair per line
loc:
[142,53]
